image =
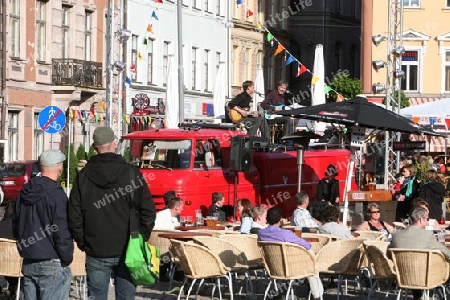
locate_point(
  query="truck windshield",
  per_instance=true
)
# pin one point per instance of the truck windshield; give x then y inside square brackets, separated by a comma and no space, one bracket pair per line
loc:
[157,154]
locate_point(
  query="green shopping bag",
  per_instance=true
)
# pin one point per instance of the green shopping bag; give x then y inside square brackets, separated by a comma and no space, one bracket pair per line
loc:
[142,260]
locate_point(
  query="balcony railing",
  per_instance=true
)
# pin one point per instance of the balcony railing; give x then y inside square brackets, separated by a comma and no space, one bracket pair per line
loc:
[76,72]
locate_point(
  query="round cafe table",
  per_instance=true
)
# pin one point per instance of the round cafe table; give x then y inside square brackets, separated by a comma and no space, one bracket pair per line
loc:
[182,235]
[188,228]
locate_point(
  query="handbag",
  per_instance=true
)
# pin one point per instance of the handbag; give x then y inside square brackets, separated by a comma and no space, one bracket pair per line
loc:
[141,259]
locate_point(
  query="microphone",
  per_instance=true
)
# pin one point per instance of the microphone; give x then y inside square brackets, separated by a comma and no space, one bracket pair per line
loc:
[259,94]
[289,92]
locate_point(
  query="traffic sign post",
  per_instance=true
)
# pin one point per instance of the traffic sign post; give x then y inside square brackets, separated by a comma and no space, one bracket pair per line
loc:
[52,120]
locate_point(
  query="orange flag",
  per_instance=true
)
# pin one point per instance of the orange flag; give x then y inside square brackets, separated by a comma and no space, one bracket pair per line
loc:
[150,28]
[280,48]
[339,98]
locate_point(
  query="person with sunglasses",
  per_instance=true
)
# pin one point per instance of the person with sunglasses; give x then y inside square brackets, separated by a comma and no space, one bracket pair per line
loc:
[374,223]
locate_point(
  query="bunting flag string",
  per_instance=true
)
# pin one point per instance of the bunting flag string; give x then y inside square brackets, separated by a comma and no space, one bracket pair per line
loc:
[290,58]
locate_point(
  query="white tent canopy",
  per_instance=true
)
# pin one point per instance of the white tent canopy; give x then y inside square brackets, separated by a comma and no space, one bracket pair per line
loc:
[438,108]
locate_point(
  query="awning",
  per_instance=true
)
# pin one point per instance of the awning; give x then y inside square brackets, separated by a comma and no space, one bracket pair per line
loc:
[432,143]
[421,100]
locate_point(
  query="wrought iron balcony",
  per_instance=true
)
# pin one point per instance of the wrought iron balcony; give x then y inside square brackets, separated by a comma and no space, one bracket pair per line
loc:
[76,72]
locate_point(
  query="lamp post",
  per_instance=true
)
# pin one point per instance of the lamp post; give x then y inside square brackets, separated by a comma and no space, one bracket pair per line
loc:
[180,63]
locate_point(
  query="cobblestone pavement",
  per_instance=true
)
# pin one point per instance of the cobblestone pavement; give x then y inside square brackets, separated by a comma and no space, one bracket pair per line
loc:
[160,291]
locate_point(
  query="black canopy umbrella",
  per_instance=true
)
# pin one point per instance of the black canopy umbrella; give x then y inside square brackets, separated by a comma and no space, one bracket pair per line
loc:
[354,112]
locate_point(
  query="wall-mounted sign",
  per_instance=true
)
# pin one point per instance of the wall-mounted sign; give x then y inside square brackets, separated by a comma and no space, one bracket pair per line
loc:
[409,145]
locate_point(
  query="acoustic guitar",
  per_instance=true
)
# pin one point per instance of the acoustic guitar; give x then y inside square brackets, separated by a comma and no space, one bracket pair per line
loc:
[236,116]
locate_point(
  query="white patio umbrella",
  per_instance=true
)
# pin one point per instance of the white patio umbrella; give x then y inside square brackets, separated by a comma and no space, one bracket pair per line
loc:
[219,93]
[172,107]
[259,87]
[318,89]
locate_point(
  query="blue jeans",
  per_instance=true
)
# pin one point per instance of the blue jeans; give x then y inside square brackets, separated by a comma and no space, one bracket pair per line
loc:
[45,280]
[99,272]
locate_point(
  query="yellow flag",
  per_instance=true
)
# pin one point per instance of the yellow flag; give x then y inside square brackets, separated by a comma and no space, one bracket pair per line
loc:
[314,80]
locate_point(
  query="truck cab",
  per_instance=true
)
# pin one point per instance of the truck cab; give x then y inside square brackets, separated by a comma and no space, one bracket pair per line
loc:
[195,162]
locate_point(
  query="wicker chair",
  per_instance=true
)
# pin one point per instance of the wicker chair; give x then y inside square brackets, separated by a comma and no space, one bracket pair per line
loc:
[231,256]
[420,269]
[199,262]
[380,267]
[248,244]
[323,240]
[164,247]
[398,225]
[78,269]
[278,258]
[11,262]
[342,258]
[371,235]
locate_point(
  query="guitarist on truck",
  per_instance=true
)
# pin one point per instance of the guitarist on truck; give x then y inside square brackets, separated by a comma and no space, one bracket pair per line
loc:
[241,105]
[276,101]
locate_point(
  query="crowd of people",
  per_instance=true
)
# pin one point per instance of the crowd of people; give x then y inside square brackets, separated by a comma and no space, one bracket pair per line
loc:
[101,199]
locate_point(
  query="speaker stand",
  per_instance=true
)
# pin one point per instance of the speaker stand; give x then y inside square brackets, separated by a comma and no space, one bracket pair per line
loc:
[235,194]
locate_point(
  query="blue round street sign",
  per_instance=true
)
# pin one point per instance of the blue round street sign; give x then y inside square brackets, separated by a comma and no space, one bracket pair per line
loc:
[52,119]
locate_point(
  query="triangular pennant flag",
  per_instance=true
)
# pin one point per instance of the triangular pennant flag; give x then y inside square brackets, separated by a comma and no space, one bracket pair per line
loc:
[249,13]
[128,80]
[144,41]
[314,80]
[269,37]
[150,28]
[259,25]
[139,56]
[74,114]
[155,16]
[70,114]
[158,1]
[327,89]
[301,70]
[290,60]
[239,2]
[133,67]
[339,98]
[280,48]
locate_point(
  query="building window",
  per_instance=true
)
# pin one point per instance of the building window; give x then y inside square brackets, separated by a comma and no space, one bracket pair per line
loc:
[15,28]
[218,7]
[194,67]
[88,36]
[353,61]
[447,71]
[410,65]
[65,31]
[206,5]
[448,4]
[206,69]
[40,30]
[133,67]
[196,4]
[411,3]
[259,59]
[337,56]
[150,60]
[38,138]
[13,135]
[165,61]
[283,8]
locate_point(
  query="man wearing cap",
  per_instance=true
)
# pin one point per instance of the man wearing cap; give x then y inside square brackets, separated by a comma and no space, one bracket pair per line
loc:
[41,230]
[99,212]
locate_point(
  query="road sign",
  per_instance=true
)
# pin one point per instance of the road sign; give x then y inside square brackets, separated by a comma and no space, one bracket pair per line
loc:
[52,119]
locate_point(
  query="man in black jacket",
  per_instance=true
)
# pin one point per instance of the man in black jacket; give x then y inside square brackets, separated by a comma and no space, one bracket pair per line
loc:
[99,215]
[41,229]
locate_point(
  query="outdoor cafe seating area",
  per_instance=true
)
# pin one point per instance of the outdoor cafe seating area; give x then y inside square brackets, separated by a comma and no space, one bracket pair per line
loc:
[364,263]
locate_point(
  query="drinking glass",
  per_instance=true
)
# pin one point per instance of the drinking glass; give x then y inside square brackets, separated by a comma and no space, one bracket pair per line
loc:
[182,221]
[349,222]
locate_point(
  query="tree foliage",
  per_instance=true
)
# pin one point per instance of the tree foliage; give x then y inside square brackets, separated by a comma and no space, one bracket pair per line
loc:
[404,100]
[346,86]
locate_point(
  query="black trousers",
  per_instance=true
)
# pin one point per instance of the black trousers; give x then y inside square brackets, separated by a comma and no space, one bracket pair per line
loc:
[254,123]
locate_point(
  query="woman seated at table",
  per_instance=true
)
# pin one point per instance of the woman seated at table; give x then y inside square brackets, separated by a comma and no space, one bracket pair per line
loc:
[259,213]
[374,223]
[433,224]
[331,224]
[244,208]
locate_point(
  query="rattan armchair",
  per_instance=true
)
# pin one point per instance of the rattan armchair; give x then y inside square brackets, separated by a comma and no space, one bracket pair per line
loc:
[199,262]
[164,249]
[420,269]
[371,235]
[340,258]
[379,265]
[287,261]
[11,262]
[323,240]
[248,244]
[232,257]
[78,269]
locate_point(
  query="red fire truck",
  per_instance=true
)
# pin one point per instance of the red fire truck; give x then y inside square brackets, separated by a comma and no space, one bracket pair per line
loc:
[195,162]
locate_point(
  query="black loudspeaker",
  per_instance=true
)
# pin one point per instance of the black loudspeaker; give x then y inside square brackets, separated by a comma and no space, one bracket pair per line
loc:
[240,154]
